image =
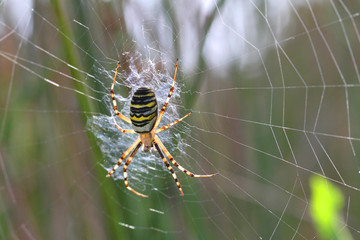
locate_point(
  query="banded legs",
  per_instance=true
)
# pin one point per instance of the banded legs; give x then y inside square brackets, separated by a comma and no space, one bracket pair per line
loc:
[125,173]
[123,157]
[161,149]
[170,168]
[113,98]
[136,145]
[123,130]
[171,124]
[168,155]
[168,98]
[157,143]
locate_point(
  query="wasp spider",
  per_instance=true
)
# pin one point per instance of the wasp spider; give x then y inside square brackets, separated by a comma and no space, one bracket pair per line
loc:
[145,120]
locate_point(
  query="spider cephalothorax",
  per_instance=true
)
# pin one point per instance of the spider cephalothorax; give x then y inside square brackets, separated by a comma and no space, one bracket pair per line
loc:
[145,119]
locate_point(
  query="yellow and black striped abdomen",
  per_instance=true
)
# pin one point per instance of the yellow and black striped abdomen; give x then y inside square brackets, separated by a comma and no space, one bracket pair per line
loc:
[143,110]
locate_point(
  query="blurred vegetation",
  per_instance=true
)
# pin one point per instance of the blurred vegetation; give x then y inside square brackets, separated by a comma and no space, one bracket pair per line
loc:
[326,205]
[53,186]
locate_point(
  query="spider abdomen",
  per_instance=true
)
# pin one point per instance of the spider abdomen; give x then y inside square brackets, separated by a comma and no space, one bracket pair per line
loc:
[143,110]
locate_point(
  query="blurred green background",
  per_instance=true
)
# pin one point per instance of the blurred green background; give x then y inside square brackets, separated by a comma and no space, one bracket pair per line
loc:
[274,87]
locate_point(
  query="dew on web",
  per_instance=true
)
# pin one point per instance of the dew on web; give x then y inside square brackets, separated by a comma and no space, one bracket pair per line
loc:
[135,72]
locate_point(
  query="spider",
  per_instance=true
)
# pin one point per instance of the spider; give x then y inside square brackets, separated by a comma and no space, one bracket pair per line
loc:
[144,119]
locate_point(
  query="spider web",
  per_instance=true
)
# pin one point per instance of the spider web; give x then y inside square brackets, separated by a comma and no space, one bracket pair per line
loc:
[274,91]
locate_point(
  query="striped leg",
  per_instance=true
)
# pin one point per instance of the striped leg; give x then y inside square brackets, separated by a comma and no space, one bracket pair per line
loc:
[168,98]
[125,173]
[113,98]
[123,130]
[157,140]
[123,157]
[171,124]
[169,167]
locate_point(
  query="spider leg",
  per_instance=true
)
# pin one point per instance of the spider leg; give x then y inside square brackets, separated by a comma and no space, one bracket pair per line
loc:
[169,167]
[123,130]
[113,98]
[168,98]
[123,157]
[125,173]
[173,123]
[158,141]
